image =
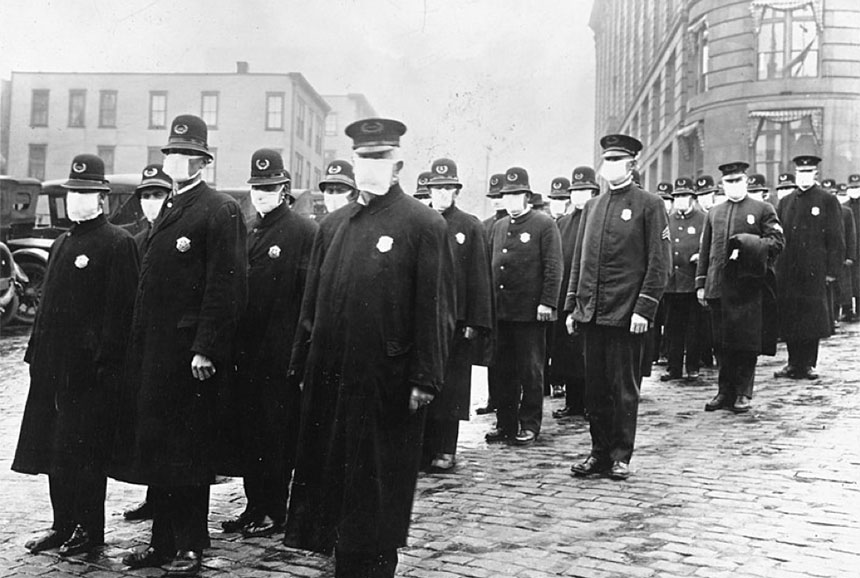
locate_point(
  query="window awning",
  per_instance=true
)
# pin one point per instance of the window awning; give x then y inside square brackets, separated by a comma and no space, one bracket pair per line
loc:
[693,130]
[786,115]
[757,7]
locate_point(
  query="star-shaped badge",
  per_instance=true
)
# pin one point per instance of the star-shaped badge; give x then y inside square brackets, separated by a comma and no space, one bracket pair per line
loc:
[274,252]
[81,261]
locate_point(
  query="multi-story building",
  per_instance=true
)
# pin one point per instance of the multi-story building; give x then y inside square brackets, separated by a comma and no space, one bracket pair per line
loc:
[345,109]
[125,118]
[702,82]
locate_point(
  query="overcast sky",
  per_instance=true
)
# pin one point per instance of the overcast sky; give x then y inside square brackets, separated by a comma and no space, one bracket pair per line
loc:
[515,75]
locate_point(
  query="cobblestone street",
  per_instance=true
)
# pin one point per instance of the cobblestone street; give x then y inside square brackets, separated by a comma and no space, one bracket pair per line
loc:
[775,493]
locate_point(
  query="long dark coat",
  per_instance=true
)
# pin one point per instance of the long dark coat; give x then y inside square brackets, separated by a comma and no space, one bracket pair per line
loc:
[474,304]
[192,289]
[850,230]
[77,349]
[814,248]
[379,313]
[567,350]
[854,205]
[749,321]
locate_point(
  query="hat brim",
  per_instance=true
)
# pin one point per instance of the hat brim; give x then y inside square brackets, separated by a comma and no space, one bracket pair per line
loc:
[268,180]
[83,185]
[509,190]
[559,195]
[445,181]
[154,183]
[757,189]
[584,187]
[679,192]
[494,195]
[786,186]
[337,180]
[187,147]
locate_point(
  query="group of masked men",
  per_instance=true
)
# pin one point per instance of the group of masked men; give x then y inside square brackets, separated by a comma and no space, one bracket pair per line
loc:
[327,364]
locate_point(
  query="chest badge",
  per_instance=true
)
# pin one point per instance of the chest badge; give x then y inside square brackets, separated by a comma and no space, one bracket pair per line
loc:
[384,244]
[81,261]
[274,252]
[815,211]
[691,230]
[460,237]
[626,215]
[525,237]
[183,244]
[751,219]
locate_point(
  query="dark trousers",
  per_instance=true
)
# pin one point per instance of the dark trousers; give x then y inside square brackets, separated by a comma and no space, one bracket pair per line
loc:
[179,518]
[78,499]
[493,387]
[520,364]
[267,488]
[613,374]
[737,372]
[802,353]
[365,565]
[574,393]
[440,437]
[682,326]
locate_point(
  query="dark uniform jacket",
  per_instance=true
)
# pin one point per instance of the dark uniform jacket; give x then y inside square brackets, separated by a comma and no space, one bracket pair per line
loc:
[814,248]
[489,222]
[192,289]
[380,314]
[848,226]
[854,205]
[685,231]
[527,267]
[621,261]
[566,351]
[77,348]
[748,303]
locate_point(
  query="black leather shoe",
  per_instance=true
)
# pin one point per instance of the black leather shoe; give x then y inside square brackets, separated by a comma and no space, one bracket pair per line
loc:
[47,541]
[142,511]
[262,528]
[238,523]
[720,401]
[807,373]
[496,435]
[80,542]
[525,438]
[742,404]
[484,410]
[788,371]
[184,564]
[146,558]
[566,411]
[619,471]
[670,376]
[589,467]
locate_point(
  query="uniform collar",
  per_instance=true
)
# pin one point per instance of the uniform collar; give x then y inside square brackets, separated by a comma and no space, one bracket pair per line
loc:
[194,182]
[522,217]
[378,202]
[623,185]
[272,216]
[84,226]
[450,211]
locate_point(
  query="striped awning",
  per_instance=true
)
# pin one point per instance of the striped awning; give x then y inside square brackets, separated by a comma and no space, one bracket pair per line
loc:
[786,115]
[757,7]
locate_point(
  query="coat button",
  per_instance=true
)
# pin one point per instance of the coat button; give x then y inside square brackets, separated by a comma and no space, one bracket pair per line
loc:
[169,205]
[501,286]
[504,250]
[502,267]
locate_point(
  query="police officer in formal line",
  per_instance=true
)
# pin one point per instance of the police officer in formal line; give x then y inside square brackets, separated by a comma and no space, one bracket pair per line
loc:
[655,344]
[192,290]
[558,205]
[853,203]
[843,292]
[757,187]
[75,352]
[338,185]
[568,361]
[422,192]
[474,317]
[682,308]
[378,308]
[620,267]
[828,185]
[537,202]
[527,270]
[734,279]
[279,247]
[708,348]
[785,186]
[811,261]
[664,190]
[705,188]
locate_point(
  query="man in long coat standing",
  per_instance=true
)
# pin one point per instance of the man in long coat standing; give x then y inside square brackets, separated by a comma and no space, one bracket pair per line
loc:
[811,261]
[854,204]
[378,311]
[75,354]
[192,289]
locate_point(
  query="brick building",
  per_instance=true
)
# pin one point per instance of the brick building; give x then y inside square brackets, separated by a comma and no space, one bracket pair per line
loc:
[702,82]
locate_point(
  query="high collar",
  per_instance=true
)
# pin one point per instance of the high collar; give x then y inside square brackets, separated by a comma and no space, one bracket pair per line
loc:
[272,216]
[450,211]
[378,202]
[190,185]
[85,226]
[523,217]
[622,185]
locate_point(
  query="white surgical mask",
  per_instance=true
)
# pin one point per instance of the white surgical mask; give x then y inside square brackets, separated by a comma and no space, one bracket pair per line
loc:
[719,199]
[499,205]
[854,193]
[614,171]
[373,175]
[557,207]
[82,206]
[177,167]
[425,202]
[334,201]
[514,203]
[735,191]
[579,198]
[668,205]
[441,198]
[804,179]
[706,200]
[783,192]
[843,198]
[265,201]
[682,203]
[151,208]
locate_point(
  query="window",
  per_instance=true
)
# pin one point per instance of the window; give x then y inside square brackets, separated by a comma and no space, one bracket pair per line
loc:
[36,164]
[274,111]
[669,94]
[318,135]
[209,174]
[209,109]
[701,57]
[331,124]
[656,90]
[77,108]
[106,153]
[787,43]
[643,118]
[39,108]
[107,109]
[154,156]
[158,109]
[298,170]
[779,136]
[301,114]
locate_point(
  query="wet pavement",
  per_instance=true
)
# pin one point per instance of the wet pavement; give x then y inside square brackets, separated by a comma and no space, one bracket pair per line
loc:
[774,493]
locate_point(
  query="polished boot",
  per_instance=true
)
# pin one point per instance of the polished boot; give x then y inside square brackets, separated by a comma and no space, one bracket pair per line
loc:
[525,438]
[184,564]
[147,558]
[80,542]
[619,471]
[47,541]
[262,528]
[788,371]
[590,466]
[742,404]
[720,401]
[236,524]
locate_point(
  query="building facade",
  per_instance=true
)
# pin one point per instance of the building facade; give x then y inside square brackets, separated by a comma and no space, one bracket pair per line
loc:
[702,82]
[345,109]
[125,118]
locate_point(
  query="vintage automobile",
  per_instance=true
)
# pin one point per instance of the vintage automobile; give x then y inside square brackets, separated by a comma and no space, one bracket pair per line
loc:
[12,281]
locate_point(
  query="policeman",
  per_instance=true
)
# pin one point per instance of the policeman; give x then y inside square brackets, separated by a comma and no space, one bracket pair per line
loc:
[843,285]
[619,269]
[828,185]
[656,346]
[568,362]
[854,204]
[558,205]
[527,269]
[705,188]
[338,186]
[734,279]
[709,349]
[785,186]
[378,308]
[474,316]
[192,290]
[537,202]
[757,187]
[664,190]
[75,354]
[812,260]
[422,193]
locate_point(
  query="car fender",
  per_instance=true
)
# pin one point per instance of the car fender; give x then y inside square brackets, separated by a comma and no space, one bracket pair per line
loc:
[32,253]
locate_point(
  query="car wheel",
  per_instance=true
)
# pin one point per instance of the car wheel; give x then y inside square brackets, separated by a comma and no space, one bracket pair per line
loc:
[31,296]
[10,312]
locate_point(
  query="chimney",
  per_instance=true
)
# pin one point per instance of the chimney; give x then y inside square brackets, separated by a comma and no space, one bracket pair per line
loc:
[241,67]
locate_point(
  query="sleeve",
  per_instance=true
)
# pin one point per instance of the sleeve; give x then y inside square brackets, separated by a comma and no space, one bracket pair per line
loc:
[834,237]
[657,268]
[552,265]
[772,233]
[704,253]
[226,291]
[573,282]
[119,302]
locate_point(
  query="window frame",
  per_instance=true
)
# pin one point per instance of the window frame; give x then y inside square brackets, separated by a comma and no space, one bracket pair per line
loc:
[74,95]
[203,96]
[785,18]
[44,160]
[152,96]
[269,111]
[47,108]
[103,109]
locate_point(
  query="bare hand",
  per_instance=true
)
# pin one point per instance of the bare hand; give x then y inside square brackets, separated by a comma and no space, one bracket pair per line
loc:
[202,367]
[694,258]
[735,255]
[544,313]
[700,295]
[638,324]
[849,262]
[469,333]
[568,323]
[419,399]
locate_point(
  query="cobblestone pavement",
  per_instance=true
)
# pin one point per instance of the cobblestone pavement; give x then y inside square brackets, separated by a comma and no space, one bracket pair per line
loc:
[775,493]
